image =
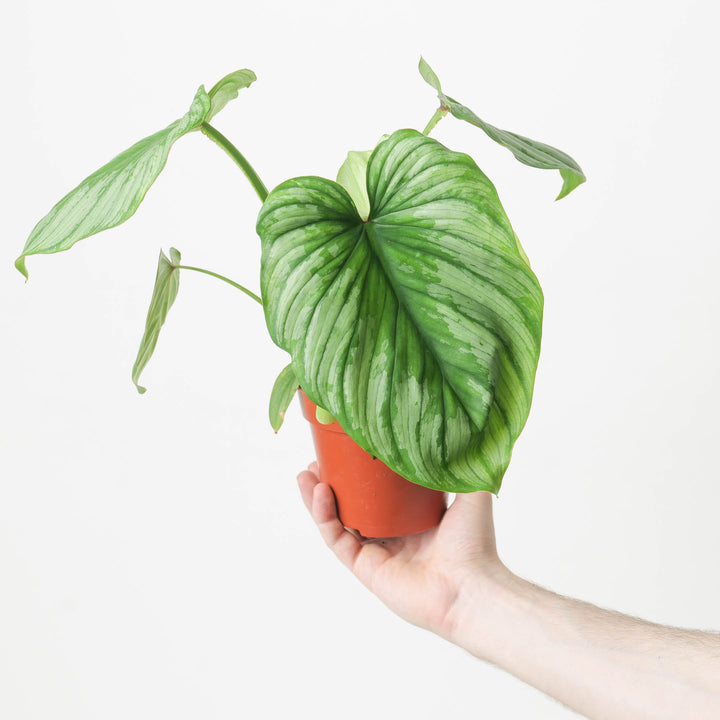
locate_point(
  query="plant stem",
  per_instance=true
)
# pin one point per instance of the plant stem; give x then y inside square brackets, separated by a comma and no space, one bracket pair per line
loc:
[217,137]
[223,278]
[440,113]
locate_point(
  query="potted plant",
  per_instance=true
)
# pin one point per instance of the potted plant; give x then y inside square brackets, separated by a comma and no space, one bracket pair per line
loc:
[400,291]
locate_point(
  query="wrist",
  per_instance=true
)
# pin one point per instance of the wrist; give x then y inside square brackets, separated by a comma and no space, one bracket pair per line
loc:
[475,622]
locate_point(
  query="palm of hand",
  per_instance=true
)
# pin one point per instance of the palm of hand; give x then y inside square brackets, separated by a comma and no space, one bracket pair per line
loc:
[418,576]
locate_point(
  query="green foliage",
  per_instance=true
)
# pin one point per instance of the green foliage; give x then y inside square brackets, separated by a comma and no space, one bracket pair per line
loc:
[167,284]
[113,193]
[400,291]
[227,89]
[284,389]
[527,151]
[352,177]
[419,329]
[323,416]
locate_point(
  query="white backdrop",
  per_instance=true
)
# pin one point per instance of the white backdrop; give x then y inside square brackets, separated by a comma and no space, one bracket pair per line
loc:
[155,558]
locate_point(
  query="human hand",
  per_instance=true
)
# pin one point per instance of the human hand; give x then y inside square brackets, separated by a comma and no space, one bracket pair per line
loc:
[420,577]
[449,580]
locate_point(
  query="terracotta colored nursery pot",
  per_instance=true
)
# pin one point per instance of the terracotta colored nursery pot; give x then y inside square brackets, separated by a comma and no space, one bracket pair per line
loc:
[371,498]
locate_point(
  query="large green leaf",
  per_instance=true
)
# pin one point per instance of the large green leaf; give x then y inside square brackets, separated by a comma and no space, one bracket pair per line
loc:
[418,329]
[527,151]
[167,284]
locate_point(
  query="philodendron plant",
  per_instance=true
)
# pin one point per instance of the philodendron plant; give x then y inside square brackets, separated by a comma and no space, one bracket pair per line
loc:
[400,291]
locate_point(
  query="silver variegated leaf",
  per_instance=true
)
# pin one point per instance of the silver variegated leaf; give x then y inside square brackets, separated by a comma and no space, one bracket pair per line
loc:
[419,328]
[113,193]
[527,151]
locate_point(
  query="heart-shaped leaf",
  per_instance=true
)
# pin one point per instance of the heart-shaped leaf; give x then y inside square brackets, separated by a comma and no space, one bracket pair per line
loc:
[527,151]
[167,284]
[418,329]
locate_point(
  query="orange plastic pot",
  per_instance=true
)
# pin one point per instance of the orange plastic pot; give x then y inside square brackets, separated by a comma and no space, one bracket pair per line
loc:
[371,498]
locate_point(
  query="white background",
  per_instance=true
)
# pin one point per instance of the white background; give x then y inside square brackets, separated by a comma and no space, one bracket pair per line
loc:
[155,558]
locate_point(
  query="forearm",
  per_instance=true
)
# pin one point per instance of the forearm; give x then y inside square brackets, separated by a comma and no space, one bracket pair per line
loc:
[600,663]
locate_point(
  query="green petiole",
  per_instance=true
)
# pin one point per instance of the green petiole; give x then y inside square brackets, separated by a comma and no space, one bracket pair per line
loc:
[240,160]
[223,278]
[440,113]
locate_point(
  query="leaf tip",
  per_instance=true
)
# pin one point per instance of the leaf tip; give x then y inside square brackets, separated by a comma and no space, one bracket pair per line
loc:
[571,180]
[429,75]
[20,265]
[277,421]
[226,89]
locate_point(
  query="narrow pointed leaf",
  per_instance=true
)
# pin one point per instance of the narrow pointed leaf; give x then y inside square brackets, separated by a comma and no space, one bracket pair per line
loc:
[227,89]
[113,193]
[527,151]
[352,177]
[429,76]
[419,329]
[281,396]
[167,283]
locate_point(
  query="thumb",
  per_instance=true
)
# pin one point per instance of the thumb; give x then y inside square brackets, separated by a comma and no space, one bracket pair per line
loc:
[475,504]
[470,520]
